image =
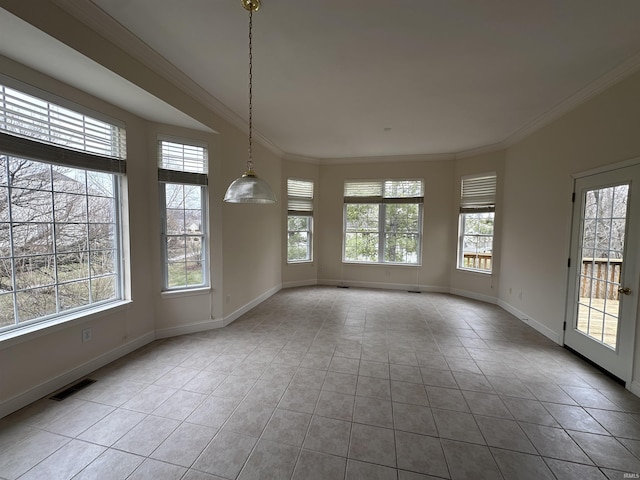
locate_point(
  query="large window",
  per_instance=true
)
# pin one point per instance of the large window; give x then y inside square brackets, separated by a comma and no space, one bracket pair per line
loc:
[383,221]
[182,172]
[59,208]
[477,211]
[299,220]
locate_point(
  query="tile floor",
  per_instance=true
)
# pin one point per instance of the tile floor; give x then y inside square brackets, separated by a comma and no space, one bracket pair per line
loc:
[327,383]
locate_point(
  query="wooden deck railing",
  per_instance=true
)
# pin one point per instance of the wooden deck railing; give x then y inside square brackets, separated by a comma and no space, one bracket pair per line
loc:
[478,261]
[600,278]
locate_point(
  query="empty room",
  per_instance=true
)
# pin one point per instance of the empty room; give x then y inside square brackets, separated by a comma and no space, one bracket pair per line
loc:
[275,239]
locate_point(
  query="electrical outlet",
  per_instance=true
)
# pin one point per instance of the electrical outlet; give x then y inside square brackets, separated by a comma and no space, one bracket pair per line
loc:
[86,335]
[228,297]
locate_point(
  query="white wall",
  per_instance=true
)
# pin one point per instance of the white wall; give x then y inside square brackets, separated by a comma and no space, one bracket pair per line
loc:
[481,286]
[438,241]
[537,199]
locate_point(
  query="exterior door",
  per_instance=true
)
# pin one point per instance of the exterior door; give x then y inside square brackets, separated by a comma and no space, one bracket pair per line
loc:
[604,269]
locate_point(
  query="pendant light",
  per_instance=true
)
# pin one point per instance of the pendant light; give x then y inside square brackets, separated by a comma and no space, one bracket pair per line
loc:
[249,188]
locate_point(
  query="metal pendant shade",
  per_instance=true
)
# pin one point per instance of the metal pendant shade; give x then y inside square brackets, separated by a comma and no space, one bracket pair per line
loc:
[249,188]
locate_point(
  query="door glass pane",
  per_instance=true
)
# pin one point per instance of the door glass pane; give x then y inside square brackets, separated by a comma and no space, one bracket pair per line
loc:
[601,247]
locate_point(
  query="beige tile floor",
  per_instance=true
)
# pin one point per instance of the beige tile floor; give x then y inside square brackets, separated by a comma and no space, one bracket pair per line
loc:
[327,383]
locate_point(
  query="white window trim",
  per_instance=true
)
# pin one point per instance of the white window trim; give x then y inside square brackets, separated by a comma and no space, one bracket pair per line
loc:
[488,205]
[306,213]
[177,177]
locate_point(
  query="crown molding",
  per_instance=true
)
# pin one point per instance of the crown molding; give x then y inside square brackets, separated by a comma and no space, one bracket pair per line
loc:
[437,157]
[107,27]
[619,73]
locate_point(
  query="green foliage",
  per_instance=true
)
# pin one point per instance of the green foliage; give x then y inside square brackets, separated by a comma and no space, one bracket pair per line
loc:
[299,238]
[400,235]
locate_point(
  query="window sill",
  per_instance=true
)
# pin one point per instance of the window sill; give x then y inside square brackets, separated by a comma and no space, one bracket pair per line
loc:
[30,332]
[299,262]
[185,292]
[472,270]
[381,264]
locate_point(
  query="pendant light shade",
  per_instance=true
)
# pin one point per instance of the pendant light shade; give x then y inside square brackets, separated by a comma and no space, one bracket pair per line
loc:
[249,188]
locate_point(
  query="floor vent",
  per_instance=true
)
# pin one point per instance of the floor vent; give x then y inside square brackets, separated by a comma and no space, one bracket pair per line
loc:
[414,291]
[76,387]
[343,286]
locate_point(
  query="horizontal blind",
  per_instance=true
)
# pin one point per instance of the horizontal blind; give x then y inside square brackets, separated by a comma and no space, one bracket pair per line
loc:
[182,163]
[384,191]
[478,193]
[39,120]
[300,197]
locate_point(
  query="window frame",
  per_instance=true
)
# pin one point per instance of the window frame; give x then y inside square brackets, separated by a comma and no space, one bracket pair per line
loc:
[301,206]
[167,176]
[60,141]
[382,201]
[479,197]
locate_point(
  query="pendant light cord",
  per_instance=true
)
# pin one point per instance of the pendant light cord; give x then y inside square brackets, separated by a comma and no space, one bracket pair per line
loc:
[250,160]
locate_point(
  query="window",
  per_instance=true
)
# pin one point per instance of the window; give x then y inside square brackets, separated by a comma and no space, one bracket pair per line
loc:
[60,246]
[477,210]
[182,172]
[383,221]
[299,220]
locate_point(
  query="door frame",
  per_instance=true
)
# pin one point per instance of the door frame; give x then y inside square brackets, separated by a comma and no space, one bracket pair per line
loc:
[574,229]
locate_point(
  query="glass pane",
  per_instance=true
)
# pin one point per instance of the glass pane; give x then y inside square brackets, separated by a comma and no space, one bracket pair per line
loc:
[175,221]
[102,236]
[73,266]
[70,180]
[298,246]
[194,273]
[101,209]
[100,184]
[70,207]
[34,271]
[29,174]
[298,222]
[71,237]
[192,197]
[6,276]
[402,218]
[193,249]
[602,246]
[73,295]
[6,308]
[361,247]
[31,205]
[103,262]
[4,162]
[104,288]
[174,195]
[176,249]
[401,248]
[363,217]
[177,274]
[36,303]
[31,238]
[193,221]
[4,204]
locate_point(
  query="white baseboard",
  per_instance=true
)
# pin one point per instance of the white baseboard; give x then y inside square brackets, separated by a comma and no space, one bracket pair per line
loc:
[300,283]
[252,304]
[191,328]
[474,296]
[46,388]
[543,329]
[634,387]
[385,286]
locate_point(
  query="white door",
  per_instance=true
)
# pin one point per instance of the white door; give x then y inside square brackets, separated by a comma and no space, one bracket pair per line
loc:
[604,269]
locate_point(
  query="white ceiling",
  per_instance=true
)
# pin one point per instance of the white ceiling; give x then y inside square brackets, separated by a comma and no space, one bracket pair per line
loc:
[336,78]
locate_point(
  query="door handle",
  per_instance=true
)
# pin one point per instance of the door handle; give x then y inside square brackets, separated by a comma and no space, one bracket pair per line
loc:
[626,291]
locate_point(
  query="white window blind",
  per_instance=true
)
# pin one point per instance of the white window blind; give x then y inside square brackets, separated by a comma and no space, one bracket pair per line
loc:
[300,197]
[478,193]
[384,191]
[35,128]
[182,163]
